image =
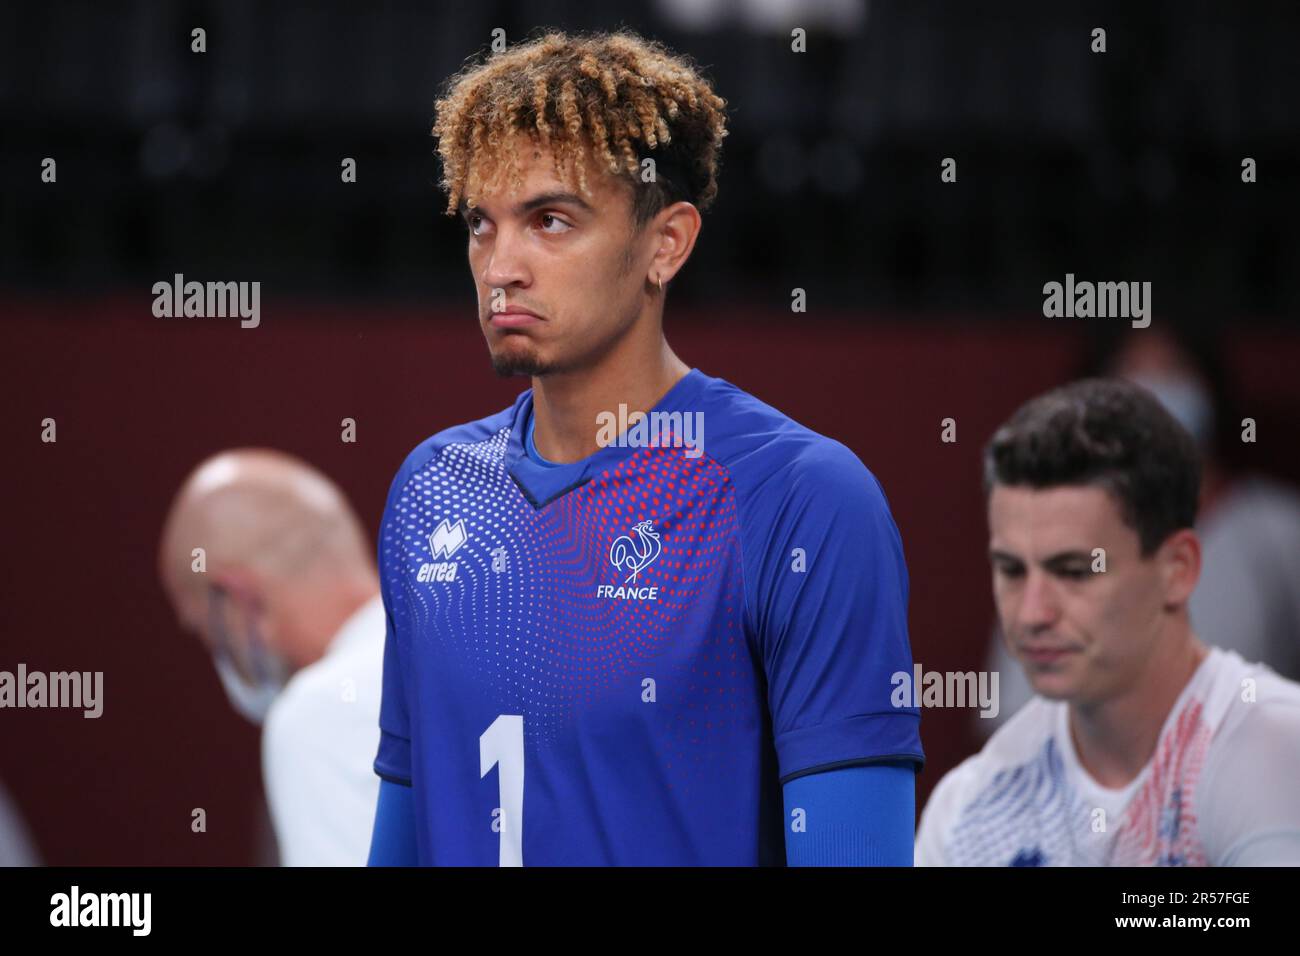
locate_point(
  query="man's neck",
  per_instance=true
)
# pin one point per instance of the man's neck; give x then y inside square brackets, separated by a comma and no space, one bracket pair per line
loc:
[334,607]
[1116,738]
[566,405]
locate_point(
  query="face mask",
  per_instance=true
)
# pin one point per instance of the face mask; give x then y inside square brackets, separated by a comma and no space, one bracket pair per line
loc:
[1185,400]
[252,701]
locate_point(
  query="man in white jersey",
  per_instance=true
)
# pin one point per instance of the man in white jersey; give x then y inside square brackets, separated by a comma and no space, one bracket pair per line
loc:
[1142,746]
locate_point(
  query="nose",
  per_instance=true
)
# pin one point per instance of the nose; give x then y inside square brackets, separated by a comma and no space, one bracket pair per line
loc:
[1038,609]
[506,261]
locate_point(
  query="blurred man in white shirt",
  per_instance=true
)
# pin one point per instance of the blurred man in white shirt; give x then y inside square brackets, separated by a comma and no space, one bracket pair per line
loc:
[1143,746]
[1248,597]
[264,559]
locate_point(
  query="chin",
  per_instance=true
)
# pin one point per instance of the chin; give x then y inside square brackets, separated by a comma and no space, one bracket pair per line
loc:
[509,361]
[1053,690]
[1054,684]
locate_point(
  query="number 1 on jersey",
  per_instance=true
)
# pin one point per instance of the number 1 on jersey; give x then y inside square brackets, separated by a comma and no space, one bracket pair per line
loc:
[502,746]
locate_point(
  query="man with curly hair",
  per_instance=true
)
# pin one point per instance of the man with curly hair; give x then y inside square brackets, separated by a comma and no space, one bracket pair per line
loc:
[608,644]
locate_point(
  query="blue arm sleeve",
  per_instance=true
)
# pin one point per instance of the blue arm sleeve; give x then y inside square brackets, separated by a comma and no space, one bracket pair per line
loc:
[853,816]
[393,842]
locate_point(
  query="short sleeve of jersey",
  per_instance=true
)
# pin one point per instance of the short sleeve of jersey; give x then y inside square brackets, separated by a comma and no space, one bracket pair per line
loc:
[827,590]
[393,762]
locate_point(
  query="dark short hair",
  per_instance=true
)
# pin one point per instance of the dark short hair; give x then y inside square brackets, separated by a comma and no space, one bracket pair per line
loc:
[1109,433]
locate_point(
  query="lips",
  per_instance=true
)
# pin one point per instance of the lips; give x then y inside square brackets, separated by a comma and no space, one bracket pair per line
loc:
[514,319]
[1044,655]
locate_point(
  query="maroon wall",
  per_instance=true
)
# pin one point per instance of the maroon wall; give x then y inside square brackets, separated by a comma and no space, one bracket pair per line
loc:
[139,401]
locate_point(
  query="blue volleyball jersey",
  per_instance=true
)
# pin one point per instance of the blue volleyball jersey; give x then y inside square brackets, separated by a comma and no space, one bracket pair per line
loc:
[619,661]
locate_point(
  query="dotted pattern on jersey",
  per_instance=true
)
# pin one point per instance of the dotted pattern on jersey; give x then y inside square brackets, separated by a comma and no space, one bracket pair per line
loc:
[538,639]
[707,697]
[1160,826]
[1030,815]
[463,483]
[1021,817]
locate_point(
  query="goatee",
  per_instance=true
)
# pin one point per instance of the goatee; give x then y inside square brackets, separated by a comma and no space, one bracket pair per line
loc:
[508,366]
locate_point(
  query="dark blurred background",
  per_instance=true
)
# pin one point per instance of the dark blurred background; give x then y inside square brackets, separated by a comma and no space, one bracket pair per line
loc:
[925,298]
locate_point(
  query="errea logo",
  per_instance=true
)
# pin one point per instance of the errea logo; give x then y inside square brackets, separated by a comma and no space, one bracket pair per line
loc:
[445,541]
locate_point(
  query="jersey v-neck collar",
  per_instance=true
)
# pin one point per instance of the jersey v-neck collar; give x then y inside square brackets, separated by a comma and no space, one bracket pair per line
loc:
[542,483]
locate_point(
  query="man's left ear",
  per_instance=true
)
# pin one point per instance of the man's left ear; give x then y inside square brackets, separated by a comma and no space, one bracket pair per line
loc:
[678,232]
[1180,566]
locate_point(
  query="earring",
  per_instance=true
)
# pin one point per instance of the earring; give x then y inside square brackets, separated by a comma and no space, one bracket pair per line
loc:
[660,280]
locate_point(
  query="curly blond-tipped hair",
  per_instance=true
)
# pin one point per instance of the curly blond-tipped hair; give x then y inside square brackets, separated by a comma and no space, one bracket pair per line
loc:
[615,97]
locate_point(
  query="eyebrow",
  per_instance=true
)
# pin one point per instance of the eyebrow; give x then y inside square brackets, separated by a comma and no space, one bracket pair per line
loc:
[1061,557]
[554,198]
